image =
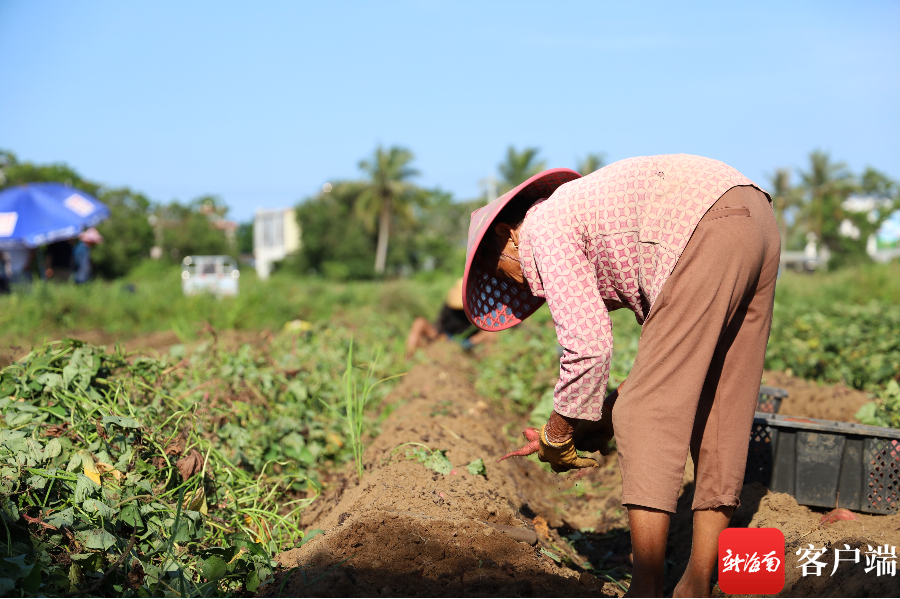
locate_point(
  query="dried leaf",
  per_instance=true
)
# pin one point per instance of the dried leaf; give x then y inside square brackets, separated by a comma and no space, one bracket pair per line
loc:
[196,501]
[90,470]
[176,447]
[105,468]
[190,464]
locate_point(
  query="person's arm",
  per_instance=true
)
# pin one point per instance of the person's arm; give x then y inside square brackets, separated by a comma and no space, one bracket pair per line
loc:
[584,330]
[583,327]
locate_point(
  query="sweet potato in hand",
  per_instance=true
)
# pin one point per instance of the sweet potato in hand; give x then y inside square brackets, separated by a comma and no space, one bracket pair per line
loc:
[532,435]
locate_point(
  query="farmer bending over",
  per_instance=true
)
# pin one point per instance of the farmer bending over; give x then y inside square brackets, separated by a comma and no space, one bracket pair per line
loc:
[691,247]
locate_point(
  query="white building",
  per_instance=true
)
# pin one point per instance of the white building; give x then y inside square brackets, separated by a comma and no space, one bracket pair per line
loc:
[276,234]
[886,234]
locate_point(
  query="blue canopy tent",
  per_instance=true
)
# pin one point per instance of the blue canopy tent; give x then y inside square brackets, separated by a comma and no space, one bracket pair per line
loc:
[37,214]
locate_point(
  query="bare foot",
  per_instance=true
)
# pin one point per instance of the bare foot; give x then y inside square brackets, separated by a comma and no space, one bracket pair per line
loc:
[691,587]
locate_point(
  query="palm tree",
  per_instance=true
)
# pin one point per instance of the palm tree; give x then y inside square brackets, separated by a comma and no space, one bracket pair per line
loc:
[786,201]
[519,166]
[388,191]
[591,163]
[826,185]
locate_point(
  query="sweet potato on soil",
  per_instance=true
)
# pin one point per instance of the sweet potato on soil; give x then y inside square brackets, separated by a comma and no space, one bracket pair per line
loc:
[838,514]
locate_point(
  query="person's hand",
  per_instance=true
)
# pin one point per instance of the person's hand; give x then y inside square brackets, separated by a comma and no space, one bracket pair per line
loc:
[557,441]
[588,435]
[593,436]
[562,457]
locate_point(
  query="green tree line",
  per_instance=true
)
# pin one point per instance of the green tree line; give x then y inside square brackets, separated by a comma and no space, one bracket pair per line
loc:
[384,224]
[819,206]
[136,222]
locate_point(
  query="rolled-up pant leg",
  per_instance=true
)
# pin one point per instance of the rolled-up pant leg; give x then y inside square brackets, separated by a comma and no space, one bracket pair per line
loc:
[695,381]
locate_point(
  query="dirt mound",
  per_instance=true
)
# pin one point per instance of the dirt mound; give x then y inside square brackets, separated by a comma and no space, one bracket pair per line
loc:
[407,530]
[812,400]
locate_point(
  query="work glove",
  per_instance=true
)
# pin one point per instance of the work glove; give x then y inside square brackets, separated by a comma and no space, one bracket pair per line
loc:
[562,457]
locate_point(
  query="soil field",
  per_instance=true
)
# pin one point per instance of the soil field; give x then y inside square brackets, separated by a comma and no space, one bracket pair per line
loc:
[808,399]
[406,530]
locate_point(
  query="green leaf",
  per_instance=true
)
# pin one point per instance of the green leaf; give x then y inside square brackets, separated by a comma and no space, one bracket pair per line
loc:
[96,539]
[6,585]
[308,536]
[49,381]
[53,449]
[74,462]
[7,388]
[62,518]
[124,460]
[8,435]
[131,516]
[59,411]
[36,481]
[437,461]
[76,577]
[32,582]
[214,568]
[80,369]
[552,556]
[8,510]
[94,506]
[15,567]
[867,415]
[242,541]
[35,450]
[84,488]
[476,467]
[20,419]
[122,421]
[252,582]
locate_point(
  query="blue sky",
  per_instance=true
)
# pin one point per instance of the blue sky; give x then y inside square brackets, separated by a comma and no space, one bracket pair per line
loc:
[261,103]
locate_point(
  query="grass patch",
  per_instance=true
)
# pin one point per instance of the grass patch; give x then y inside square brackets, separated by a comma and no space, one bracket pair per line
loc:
[150,300]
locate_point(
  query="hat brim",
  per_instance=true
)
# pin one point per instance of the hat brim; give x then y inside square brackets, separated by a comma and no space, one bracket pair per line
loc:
[495,303]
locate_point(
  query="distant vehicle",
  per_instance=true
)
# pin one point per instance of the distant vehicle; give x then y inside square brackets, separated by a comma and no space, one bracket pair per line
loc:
[209,274]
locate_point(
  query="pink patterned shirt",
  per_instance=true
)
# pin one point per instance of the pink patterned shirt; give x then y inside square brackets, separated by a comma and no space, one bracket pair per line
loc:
[610,240]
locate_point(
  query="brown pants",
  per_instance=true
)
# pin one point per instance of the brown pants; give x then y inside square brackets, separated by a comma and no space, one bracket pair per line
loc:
[696,378]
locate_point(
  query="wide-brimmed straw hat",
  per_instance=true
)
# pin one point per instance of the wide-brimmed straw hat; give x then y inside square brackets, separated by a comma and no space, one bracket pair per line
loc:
[455,295]
[91,235]
[495,303]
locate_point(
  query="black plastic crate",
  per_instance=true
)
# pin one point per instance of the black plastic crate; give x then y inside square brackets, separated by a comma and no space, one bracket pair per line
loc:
[770,399]
[826,463]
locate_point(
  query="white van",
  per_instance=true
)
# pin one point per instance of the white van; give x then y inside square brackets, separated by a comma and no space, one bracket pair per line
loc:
[209,274]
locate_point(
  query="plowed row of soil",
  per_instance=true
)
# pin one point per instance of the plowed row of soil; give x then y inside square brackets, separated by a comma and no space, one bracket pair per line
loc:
[404,530]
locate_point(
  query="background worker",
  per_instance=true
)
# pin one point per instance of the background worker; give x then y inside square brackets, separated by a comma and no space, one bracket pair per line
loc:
[18,264]
[451,323]
[81,254]
[692,248]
